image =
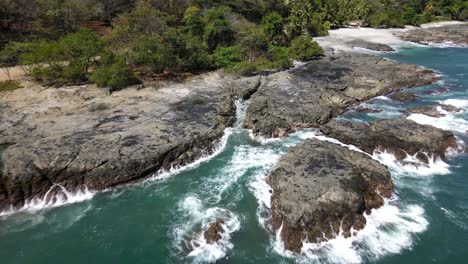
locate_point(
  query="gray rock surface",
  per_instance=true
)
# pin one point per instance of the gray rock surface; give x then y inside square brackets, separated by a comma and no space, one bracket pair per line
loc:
[432,110]
[399,136]
[84,136]
[311,95]
[319,186]
[370,45]
[457,34]
[403,97]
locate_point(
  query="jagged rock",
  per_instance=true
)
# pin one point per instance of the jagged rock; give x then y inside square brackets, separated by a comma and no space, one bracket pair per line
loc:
[363,109]
[84,136]
[310,95]
[399,136]
[457,33]
[403,97]
[432,110]
[319,187]
[370,45]
[214,233]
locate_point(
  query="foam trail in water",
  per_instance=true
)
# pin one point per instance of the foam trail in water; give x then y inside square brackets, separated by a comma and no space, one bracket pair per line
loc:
[189,234]
[50,200]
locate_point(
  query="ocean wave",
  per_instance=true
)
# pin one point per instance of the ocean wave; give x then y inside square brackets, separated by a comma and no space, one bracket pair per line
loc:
[189,236]
[411,166]
[56,196]
[390,229]
[460,103]
[448,122]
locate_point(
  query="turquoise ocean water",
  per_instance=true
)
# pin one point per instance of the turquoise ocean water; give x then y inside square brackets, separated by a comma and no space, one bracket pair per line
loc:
[161,220]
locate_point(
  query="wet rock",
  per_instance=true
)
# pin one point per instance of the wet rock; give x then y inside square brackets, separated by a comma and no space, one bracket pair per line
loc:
[399,136]
[320,187]
[432,110]
[370,45]
[363,109]
[403,97]
[311,95]
[85,136]
[456,33]
[214,233]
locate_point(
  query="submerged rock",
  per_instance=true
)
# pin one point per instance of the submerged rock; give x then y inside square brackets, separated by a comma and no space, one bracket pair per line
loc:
[455,33]
[320,187]
[403,97]
[214,233]
[370,45]
[398,136]
[363,109]
[310,95]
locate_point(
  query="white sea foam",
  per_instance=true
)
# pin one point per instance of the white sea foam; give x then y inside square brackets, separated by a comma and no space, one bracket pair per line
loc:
[448,122]
[189,234]
[411,166]
[245,159]
[56,196]
[389,230]
[460,103]
[216,150]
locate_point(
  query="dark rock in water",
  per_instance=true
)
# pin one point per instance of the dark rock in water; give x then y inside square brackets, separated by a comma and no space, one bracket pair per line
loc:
[403,97]
[399,136]
[310,95]
[432,110]
[370,45]
[214,233]
[437,91]
[457,33]
[362,109]
[99,140]
[319,187]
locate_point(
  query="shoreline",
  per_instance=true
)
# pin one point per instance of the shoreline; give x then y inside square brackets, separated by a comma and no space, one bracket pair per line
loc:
[252,85]
[338,39]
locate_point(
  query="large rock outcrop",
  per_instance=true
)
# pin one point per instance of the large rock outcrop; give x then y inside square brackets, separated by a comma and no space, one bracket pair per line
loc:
[455,33]
[398,136]
[311,95]
[84,136]
[320,187]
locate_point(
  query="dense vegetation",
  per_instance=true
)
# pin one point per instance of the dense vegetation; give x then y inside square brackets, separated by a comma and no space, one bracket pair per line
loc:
[130,38]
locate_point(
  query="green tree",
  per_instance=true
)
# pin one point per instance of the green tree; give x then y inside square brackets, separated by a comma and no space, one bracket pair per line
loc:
[226,57]
[113,72]
[218,31]
[273,27]
[305,49]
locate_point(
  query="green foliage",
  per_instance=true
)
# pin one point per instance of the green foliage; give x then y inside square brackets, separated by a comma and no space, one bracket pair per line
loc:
[218,31]
[273,28]
[193,20]
[9,86]
[80,49]
[150,53]
[227,56]
[305,49]
[114,73]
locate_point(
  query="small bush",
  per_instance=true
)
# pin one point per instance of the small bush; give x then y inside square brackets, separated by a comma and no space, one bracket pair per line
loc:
[225,57]
[113,73]
[305,49]
[9,86]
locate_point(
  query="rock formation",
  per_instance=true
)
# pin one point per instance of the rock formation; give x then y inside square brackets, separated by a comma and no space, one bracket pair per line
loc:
[320,187]
[457,34]
[311,95]
[399,136]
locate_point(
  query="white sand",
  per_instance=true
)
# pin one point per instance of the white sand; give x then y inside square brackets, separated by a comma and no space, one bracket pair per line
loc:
[338,38]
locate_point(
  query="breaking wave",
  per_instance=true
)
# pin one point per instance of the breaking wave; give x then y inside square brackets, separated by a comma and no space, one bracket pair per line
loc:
[56,196]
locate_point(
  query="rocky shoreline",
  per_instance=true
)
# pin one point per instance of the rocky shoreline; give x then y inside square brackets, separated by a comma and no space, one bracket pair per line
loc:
[83,136]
